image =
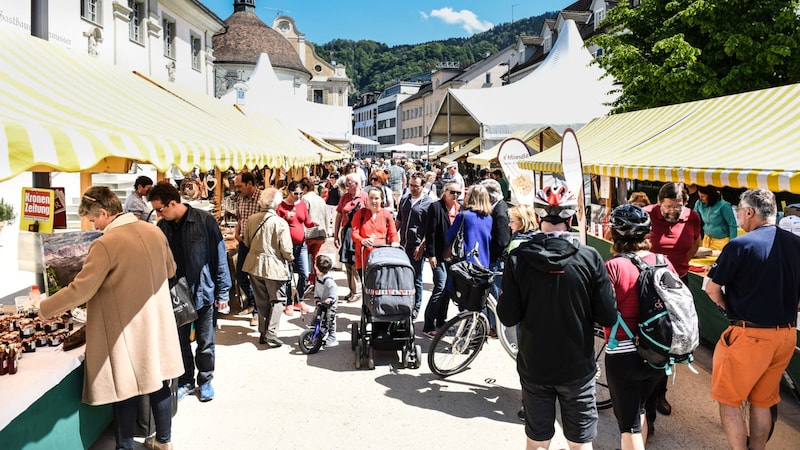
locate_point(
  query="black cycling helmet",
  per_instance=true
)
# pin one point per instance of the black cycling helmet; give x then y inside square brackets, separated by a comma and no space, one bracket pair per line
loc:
[630,221]
[555,203]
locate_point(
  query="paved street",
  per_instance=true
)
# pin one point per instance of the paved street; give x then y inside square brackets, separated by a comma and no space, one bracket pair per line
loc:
[283,399]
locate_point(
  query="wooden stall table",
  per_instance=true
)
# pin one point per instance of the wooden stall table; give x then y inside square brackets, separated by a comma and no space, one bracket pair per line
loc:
[42,406]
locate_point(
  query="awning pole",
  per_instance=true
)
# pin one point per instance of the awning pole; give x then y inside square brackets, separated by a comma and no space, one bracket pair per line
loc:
[39,28]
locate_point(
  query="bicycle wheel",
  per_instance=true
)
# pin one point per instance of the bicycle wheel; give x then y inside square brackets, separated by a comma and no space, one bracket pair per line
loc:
[507,335]
[310,341]
[458,343]
[602,394]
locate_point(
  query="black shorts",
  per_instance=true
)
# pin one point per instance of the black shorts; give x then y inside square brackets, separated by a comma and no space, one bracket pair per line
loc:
[578,410]
[630,382]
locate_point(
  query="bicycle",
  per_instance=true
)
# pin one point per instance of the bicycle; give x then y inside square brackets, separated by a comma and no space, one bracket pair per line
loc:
[462,338]
[312,339]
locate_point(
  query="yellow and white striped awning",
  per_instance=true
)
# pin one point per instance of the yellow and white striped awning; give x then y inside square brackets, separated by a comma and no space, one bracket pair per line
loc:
[744,141]
[549,137]
[462,152]
[63,111]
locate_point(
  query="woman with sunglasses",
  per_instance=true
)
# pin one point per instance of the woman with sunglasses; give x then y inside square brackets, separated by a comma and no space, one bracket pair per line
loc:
[296,215]
[331,193]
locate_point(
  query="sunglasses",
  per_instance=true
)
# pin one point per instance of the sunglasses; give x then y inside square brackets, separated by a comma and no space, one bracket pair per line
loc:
[298,194]
[455,192]
[160,210]
[373,179]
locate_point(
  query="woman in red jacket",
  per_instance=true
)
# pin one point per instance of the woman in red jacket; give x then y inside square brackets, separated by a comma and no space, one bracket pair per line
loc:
[373,226]
[295,213]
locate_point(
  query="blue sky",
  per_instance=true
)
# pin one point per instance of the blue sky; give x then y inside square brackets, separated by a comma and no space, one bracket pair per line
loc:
[393,23]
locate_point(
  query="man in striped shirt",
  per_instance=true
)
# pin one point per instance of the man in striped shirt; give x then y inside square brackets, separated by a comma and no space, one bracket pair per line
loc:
[246,205]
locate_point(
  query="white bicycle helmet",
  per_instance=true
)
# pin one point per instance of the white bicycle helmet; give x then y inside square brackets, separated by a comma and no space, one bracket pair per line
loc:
[555,203]
[790,224]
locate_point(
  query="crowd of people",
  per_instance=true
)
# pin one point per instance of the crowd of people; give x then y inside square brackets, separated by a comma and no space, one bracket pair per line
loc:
[552,287]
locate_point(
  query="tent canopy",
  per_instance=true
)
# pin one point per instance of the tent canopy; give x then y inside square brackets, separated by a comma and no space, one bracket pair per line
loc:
[744,140]
[566,90]
[441,149]
[535,138]
[361,140]
[83,114]
[462,152]
[266,94]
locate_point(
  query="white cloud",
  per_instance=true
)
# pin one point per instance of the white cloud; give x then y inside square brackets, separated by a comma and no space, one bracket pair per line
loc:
[465,18]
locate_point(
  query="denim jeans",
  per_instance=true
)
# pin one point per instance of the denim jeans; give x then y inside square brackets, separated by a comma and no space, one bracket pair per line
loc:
[243,279]
[496,266]
[126,411]
[436,311]
[300,268]
[418,267]
[203,359]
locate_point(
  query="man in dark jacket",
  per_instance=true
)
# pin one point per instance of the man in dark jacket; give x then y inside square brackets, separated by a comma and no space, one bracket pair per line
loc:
[501,236]
[200,256]
[440,216]
[556,289]
[412,216]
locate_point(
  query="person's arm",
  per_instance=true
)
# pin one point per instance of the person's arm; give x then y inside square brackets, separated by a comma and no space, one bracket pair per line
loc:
[284,239]
[356,227]
[694,221]
[430,242]
[223,274]
[331,287]
[730,219]
[83,287]
[305,215]
[603,298]
[509,305]
[501,231]
[394,237]
[453,230]
[715,293]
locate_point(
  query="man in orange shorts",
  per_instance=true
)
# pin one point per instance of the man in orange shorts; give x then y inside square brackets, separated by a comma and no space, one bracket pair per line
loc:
[760,272]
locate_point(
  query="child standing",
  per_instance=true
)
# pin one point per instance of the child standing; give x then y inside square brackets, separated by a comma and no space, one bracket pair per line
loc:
[325,292]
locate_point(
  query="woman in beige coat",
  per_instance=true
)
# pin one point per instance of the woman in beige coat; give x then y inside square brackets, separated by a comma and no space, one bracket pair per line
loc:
[131,337]
[267,237]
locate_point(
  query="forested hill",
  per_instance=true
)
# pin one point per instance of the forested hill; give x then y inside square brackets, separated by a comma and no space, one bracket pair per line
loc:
[373,65]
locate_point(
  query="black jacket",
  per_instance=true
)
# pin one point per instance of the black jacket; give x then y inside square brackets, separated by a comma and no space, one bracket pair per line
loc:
[411,222]
[436,227]
[501,232]
[556,289]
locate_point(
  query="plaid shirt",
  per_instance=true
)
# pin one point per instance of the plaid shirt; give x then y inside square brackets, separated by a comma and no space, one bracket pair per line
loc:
[246,207]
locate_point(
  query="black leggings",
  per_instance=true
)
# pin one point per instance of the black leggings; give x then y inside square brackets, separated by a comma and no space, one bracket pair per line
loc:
[125,413]
[630,381]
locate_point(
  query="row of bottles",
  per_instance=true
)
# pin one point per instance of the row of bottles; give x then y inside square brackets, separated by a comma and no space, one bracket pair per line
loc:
[9,359]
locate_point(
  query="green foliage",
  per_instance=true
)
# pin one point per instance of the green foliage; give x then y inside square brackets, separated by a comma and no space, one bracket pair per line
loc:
[6,211]
[373,65]
[671,51]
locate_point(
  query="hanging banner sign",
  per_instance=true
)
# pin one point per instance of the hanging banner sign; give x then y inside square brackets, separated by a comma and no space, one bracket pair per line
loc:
[521,182]
[572,165]
[38,208]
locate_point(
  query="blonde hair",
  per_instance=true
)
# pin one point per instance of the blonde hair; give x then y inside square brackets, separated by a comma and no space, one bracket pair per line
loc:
[478,200]
[639,198]
[270,199]
[526,215]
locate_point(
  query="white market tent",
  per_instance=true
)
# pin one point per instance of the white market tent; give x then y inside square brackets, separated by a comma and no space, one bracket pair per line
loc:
[565,91]
[266,94]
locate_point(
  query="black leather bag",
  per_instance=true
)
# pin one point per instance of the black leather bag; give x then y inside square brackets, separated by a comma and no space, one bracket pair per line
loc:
[455,251]
[182,301]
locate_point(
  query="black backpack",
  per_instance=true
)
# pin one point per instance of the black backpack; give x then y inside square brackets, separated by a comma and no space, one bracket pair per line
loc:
[668,327]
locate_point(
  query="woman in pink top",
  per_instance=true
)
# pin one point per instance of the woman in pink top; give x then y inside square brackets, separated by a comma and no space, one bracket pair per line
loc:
[296,215]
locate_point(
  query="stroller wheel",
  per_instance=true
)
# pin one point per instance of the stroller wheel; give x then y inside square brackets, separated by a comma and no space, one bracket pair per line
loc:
[354,336]
[371,358]
[358,356]
[417,356]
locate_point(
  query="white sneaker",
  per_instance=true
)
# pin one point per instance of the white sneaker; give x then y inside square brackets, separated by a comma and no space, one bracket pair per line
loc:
[331,341]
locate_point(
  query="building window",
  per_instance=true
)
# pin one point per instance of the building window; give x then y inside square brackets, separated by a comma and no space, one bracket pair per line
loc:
[90,10]
[599,16]
[635,3]
[488,78]
[547,43]
[317,96]
[169,38]
[196,52]
[135,28]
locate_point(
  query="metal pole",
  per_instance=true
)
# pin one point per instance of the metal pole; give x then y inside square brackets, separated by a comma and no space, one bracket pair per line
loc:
[39,28]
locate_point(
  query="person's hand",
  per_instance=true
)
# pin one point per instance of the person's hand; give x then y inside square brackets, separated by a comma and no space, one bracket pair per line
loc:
[366,242]
[223,307]
[336,242]
[432,261]
[239,238]
[418,253]
[395,244]
[328,301]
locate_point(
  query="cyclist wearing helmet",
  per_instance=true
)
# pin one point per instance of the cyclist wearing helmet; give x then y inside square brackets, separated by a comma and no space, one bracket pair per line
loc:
[556,289]
[630,379]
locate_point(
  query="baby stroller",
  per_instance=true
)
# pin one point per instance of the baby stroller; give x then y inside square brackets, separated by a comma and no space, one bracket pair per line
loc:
[386,323]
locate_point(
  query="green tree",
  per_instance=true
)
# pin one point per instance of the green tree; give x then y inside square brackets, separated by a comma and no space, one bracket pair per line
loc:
[672,51]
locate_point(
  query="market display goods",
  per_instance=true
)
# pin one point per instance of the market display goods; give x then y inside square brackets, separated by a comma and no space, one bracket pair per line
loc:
[23,333]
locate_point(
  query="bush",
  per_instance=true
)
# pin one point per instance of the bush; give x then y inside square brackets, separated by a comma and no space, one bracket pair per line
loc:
[6,211]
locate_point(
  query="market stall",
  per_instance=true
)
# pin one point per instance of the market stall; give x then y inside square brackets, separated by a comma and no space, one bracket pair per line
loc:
[84,115]
[745,140]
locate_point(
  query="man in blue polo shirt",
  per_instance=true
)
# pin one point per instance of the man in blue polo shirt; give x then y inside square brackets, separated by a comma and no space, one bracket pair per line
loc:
[760,273]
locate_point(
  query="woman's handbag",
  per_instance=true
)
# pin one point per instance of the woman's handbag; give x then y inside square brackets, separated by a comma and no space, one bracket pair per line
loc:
[455,251]
[182,301]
